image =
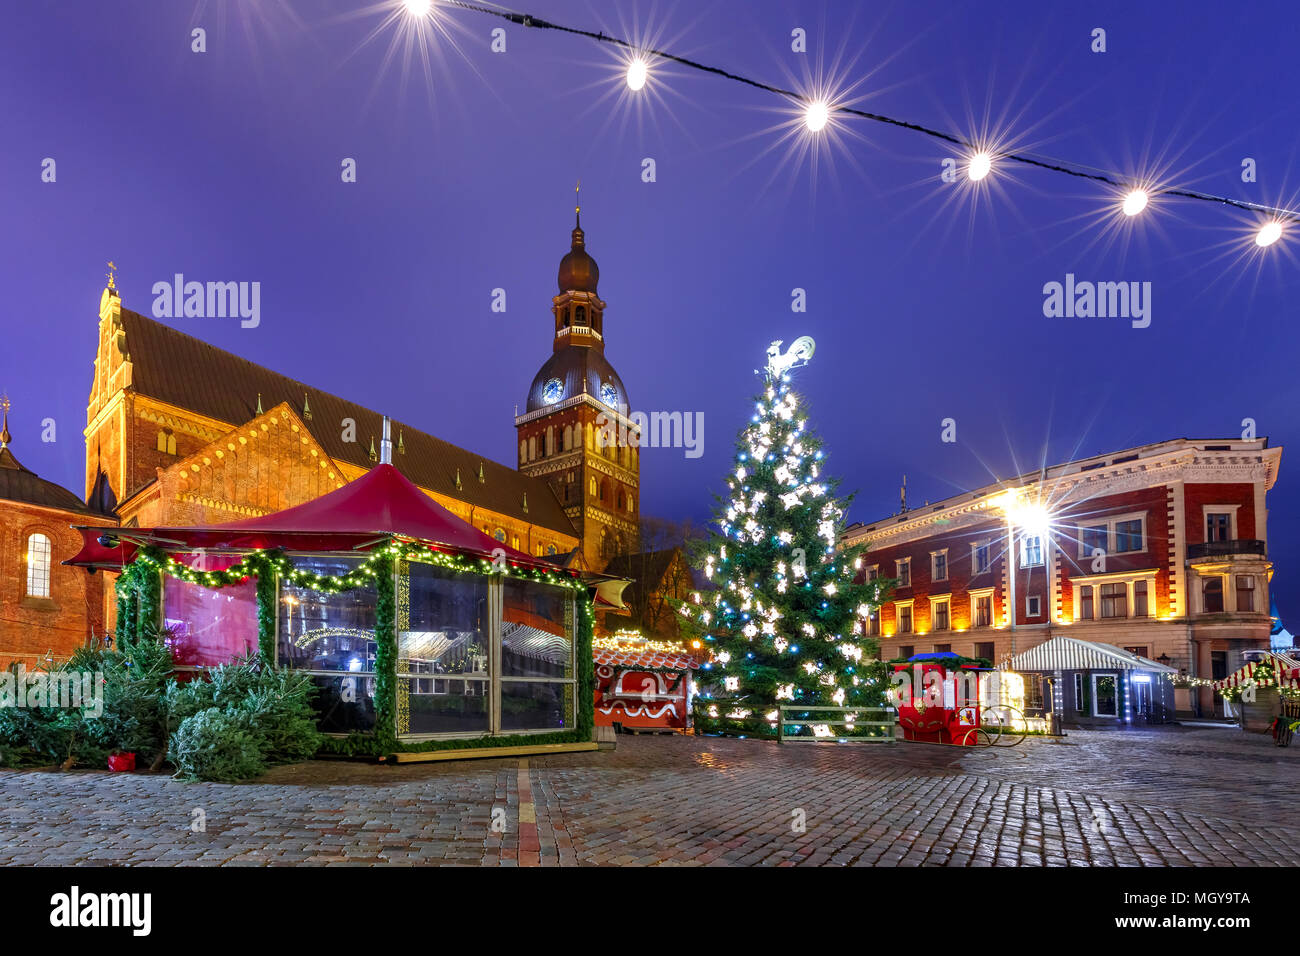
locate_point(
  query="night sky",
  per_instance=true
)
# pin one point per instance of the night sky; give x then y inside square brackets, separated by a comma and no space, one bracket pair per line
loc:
[925,298]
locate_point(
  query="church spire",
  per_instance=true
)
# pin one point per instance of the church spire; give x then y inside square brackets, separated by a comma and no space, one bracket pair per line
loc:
[5,437]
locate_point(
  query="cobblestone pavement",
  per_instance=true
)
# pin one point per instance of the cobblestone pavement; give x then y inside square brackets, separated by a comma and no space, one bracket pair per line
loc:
[1175,796]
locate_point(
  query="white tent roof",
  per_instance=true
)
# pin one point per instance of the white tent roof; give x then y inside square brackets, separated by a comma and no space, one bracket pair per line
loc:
[1072,654]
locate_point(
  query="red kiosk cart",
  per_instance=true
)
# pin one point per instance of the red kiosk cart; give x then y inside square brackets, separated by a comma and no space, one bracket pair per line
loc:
[942,709]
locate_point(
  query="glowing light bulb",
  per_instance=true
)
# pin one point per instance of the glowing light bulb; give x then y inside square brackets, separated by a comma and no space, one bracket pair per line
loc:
[636,75]
[1135,202]
[980,165]
[1268,234]
[417,8]
[816,116]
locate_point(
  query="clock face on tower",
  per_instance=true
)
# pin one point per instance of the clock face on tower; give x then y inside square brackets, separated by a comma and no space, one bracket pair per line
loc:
[609,395]
[552,391]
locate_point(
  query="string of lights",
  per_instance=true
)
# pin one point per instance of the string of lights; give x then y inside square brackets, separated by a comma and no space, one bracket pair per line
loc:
[1134,195]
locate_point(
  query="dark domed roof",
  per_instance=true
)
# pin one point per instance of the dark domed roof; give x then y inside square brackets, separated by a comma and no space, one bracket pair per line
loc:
[573,368]
[578,271]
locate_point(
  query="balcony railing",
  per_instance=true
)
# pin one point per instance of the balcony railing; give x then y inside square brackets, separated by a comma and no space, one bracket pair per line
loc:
[1223,549]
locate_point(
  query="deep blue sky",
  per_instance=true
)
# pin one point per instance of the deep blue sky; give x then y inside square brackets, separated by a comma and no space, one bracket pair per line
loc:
[924,304]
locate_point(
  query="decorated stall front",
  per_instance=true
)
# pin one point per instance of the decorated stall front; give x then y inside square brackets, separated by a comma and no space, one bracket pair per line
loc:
[1091,684]
[1262,690]
[937,697]
[642,684]
[420,632]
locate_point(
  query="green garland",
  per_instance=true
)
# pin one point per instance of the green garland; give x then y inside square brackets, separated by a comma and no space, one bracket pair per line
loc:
[948,663]
[139,596]
[385,731]
[139,602]
[266,614]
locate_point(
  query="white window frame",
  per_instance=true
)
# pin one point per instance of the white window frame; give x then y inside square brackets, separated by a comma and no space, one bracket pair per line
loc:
[934,603]
[1229,510]
[1024,550]
[898,617]
[975,595]
[1078,692]
[1128,578]
[1094,675]
[898,568]
[975,547]
[873,573]
[39,566]
[933,570]
[1110,521]
[1036,598]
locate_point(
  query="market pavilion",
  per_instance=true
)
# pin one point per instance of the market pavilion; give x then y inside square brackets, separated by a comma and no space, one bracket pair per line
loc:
[421,633]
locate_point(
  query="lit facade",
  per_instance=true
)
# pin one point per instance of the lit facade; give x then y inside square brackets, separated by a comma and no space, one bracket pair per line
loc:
[1161,550]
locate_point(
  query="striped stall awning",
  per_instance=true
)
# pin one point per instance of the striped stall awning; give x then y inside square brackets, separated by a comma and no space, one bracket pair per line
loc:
[1287,668]
[1072,654]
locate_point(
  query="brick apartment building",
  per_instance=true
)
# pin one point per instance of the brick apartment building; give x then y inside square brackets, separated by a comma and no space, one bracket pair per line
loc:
[1161,550]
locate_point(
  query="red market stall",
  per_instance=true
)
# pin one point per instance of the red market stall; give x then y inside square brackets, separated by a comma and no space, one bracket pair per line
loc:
[642,684]
[418,630]
[937,697]
[1260,688]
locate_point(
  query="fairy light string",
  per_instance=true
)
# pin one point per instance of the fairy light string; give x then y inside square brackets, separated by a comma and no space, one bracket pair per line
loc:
[1045,163]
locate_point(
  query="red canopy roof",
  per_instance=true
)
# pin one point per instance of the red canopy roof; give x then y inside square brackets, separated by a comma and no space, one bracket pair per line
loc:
[380,504]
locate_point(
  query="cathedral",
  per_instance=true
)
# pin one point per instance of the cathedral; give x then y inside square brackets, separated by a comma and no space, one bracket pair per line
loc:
[180,433]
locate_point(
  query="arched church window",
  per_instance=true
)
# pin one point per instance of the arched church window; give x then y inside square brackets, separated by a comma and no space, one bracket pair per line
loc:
[523,452]
[580,317]
[604,543]
[593,486]
[500,535]
[38,566]
[568,437]
[550,549]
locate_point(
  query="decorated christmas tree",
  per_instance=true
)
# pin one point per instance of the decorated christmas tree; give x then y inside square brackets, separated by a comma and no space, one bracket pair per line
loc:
[782,617]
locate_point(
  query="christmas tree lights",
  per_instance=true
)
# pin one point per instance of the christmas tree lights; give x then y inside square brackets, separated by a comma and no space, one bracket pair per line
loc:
[782,621]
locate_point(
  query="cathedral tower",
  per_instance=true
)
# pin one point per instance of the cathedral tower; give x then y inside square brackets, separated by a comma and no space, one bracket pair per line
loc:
[569,432]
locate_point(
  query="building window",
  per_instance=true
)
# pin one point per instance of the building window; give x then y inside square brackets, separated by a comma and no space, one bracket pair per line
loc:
[594,489]
[984,610]
[1140,603]
[939,565]
[939,614]
[904,566]
[906,650]
[1033,605]
[1141,650]
[984,649]
[580,317]
[1078,694]
[38,566]
[1114,600]
[942,649]
[1095,538]
[1245,592]
[979,558]
[167,442]
[873,622]
[500,535]
[1105,695]
[1213,593]
[1121,534]
[1031,551]
[873,573]
[550,549]
[1128,536]
[1218,527]
[1085,602]
[904,614]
